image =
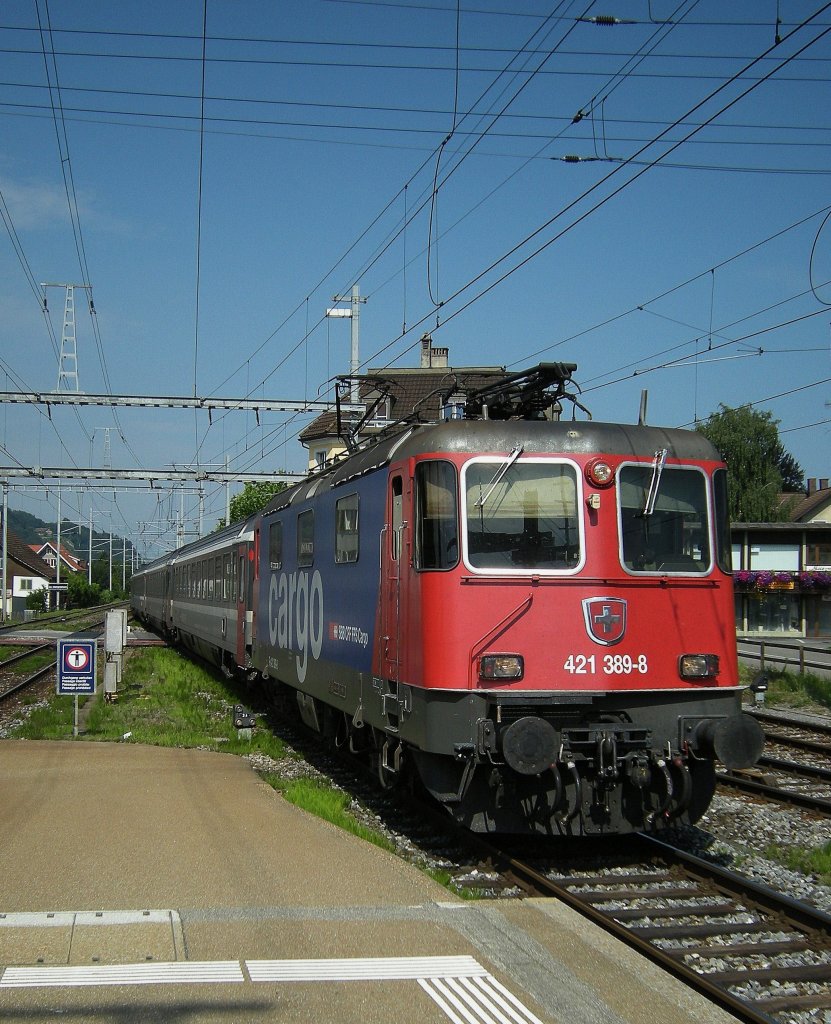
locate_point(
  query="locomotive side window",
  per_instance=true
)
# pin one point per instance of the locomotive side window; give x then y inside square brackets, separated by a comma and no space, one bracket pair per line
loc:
[436,516]
[663,520]
[346,529]
[521,515]
[397,517]
[306,537]
[724,553]
[275,546]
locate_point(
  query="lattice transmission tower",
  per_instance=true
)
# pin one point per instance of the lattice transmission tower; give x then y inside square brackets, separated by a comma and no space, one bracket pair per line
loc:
[68,358]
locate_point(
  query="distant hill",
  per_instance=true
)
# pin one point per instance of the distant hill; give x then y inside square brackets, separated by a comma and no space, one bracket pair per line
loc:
[29,528]
[32,530]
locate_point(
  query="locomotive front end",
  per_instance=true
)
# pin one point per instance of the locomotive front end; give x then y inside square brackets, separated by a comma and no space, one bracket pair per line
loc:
[589,612]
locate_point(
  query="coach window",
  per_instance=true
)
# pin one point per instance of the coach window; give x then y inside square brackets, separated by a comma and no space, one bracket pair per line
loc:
[346,529]
[306,537]
[226,577]
[275,546]
[436,516]
[664,523]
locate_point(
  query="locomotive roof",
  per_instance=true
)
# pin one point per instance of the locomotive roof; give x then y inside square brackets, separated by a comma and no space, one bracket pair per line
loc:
[570,437]
[499,437]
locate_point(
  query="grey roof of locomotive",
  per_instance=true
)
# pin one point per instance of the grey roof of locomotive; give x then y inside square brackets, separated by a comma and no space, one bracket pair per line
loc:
[500,437]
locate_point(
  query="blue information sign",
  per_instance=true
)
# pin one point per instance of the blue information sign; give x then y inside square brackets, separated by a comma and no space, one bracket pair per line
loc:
[76,667]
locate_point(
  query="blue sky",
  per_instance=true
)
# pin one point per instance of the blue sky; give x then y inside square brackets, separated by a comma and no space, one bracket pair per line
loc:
[690,236]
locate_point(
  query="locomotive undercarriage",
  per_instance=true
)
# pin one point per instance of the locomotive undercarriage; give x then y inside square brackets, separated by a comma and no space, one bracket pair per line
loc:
[594,767]
[545,763]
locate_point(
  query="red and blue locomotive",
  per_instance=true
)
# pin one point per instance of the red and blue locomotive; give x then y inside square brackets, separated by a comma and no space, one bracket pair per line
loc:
[534,618]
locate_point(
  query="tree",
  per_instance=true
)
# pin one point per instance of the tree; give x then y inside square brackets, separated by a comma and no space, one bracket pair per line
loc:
[759,468]
[251,499]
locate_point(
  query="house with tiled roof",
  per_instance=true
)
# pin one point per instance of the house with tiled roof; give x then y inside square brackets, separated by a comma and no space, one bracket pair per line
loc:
[395,395]
[25,573]
[812,507]
[782,570]
[69,563]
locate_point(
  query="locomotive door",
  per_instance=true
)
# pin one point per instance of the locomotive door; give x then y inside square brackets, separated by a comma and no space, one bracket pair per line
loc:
[392,554]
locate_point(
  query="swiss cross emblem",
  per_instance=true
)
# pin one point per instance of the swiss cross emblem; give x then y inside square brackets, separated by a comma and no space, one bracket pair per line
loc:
[605,619]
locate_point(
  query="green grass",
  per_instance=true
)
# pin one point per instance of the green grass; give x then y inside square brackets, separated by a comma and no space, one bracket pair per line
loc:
[168,700]
[811,861]
[806,692]
[164,699]
[31,664]
[53,722]
[328,803]
[791,690]
[324,801]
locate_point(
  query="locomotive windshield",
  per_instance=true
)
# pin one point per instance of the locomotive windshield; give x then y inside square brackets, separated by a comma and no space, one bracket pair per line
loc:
[664,523]
[521,515]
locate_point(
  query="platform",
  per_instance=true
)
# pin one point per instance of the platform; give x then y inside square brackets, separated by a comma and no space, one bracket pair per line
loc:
[145,883]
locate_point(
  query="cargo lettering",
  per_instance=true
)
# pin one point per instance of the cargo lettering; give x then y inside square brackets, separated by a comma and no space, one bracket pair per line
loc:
[295,616]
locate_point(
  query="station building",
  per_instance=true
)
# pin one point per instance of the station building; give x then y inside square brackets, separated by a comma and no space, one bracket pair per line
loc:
[782,571]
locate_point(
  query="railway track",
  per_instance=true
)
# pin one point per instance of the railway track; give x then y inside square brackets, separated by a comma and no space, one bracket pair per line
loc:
[79,618]
[754,952]
[12,680]
[15,677]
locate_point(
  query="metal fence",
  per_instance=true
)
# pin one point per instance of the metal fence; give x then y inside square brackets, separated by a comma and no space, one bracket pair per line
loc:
[791,654]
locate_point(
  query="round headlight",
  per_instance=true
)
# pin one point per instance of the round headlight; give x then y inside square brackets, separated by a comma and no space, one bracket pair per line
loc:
[599,473]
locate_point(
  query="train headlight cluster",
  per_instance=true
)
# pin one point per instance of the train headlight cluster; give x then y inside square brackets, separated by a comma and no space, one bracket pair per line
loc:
[501,666]
[698,666]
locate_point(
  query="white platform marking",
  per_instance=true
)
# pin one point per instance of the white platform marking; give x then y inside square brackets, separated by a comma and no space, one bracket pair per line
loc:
[184,973]
[459,985]
[397,968]
[478,1000]
[87,918]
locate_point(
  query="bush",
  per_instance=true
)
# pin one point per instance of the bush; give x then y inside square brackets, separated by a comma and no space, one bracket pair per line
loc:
[80,593]
[38,600]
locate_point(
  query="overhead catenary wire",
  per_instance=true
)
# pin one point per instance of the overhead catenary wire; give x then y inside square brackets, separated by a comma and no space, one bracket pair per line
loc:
[51,72]
[609,196]
[306,333]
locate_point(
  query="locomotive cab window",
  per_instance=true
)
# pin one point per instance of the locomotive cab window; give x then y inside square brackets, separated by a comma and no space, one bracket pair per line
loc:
[346,529]
[664,524]
[724,550]
[436,516]
[521,515]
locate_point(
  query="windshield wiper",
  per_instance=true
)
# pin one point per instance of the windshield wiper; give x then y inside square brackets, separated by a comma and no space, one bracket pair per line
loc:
[503,469]
[654,483]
